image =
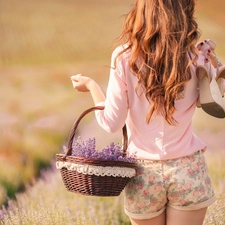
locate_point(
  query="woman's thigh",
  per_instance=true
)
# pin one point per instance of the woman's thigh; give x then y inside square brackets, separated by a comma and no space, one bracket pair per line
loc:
[178,217]
[159,220]
[173,216]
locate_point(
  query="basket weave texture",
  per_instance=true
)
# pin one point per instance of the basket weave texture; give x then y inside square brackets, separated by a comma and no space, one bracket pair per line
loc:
[91,184]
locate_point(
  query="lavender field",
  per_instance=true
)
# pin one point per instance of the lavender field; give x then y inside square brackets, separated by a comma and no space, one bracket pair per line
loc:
[43,44]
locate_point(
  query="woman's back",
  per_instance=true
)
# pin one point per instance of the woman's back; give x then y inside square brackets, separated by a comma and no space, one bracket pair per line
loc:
[156,139]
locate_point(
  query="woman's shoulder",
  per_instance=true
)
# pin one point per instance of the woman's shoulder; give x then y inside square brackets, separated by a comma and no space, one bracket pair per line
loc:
[121,50]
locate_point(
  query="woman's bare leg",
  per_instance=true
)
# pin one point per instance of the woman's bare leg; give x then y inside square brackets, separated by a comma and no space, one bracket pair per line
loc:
[175,217]
[178,217]
[159,220]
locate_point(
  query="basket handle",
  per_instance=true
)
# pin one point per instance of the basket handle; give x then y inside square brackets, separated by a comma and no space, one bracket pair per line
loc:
[75,125]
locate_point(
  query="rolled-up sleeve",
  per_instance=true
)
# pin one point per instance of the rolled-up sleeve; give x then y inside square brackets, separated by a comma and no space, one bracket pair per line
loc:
[113,117]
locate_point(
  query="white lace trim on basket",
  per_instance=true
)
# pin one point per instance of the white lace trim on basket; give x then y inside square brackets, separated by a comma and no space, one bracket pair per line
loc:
[97,170]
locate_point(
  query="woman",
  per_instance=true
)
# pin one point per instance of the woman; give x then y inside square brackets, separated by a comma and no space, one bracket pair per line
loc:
[153,88]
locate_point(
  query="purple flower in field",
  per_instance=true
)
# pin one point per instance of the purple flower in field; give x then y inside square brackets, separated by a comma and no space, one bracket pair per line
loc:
[4,210]
[11,206]
[88,150]
[1,215]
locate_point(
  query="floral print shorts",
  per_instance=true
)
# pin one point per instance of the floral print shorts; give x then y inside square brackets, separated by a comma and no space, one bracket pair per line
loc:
[182,183]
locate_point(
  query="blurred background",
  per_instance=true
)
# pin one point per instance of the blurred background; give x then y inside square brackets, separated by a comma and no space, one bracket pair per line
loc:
[43,43]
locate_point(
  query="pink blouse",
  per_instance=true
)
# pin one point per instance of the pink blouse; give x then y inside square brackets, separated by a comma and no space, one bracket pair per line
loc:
[157,140]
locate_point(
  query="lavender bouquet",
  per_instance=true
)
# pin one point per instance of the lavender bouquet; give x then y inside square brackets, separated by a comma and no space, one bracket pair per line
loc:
[87,149]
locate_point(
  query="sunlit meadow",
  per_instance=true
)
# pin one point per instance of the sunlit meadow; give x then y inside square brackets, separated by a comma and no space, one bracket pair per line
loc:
[43,43]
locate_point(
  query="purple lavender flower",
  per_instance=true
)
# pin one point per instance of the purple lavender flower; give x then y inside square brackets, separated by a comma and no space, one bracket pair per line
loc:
[1,215]
[111,152]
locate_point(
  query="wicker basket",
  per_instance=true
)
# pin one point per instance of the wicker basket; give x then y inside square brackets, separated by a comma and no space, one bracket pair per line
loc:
[92,184]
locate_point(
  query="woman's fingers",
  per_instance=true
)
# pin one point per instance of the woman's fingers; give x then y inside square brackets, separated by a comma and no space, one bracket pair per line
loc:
[199,45]
[211,43]
[206,45]
[207,48]
[80,82]
[75,77]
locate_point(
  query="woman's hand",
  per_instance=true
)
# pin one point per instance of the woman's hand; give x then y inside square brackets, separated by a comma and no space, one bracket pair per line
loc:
[207,48]
[81,83]
[85,84]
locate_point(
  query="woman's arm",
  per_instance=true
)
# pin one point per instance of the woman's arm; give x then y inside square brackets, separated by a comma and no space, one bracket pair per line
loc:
[86,84]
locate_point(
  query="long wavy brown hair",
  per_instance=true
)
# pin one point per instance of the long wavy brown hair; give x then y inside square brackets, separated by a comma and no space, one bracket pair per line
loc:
[161,34]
